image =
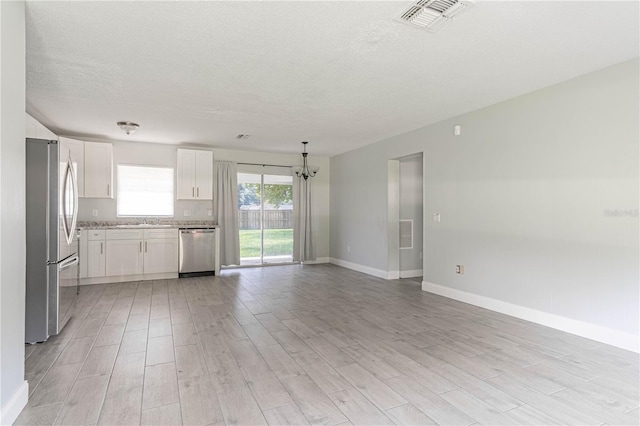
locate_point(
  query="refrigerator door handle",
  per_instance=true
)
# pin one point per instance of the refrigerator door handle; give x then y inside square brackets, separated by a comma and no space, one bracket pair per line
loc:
[69,229]
[69,261]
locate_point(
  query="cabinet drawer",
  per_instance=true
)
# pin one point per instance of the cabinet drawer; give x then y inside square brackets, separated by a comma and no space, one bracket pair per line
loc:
[155,234]
[124,234]
[95,234]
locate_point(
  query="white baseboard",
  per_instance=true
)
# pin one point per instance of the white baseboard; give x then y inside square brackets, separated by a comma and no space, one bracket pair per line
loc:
[598,333]
[415,273]
[13,408]
[318,260]
[393,275]
[360,268]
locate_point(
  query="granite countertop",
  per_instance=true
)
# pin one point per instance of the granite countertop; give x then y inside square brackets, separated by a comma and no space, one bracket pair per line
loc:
[136,224]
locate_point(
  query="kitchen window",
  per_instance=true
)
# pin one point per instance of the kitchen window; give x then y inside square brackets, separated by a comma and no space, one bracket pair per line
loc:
[144,191]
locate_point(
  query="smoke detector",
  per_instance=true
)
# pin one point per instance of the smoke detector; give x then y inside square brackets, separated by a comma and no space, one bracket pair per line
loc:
[430,15]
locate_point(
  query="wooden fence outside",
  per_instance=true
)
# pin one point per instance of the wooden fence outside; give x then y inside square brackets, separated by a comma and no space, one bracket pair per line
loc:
[273,219]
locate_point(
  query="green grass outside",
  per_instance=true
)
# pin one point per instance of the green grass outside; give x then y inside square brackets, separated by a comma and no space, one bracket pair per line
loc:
[277,242]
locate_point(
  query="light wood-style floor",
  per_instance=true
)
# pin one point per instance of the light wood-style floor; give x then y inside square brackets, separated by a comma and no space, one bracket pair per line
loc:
[315,344]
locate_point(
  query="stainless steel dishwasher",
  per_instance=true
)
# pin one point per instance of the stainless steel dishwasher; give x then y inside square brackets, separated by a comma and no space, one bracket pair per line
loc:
[197,252]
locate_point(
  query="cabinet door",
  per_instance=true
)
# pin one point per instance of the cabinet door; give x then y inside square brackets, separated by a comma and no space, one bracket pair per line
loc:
[96,257]
[124,257]
[204,175]
[186,174]
[160,256]
[76,148]
[98,166]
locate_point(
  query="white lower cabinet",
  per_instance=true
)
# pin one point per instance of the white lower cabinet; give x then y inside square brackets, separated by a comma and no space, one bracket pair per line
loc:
[160,251]
[124,257]
[96,259]
[122,254]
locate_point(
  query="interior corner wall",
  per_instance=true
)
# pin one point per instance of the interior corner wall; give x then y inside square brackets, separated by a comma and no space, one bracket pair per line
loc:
[538,200]
[13,388]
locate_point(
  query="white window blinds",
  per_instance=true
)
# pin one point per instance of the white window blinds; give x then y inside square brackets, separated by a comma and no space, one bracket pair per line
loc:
[144,191]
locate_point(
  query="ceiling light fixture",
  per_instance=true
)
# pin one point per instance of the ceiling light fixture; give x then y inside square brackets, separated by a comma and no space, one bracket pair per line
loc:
[242,136]
[305,170]
[128,127]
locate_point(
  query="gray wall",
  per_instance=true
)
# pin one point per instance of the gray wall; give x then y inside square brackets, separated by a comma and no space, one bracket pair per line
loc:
[12,200]
[525,195]
[411,209]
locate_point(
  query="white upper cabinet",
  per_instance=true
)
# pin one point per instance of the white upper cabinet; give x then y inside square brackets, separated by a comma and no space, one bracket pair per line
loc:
[98,170]
[76,148]
[195,174]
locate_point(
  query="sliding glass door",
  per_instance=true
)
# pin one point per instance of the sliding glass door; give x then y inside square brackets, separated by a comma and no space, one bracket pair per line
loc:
[265,216]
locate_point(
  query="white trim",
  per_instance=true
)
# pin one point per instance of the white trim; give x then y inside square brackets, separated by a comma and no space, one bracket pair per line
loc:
[599,333]
[126,278]
[415,273]
[360,268]
[13,408]
[393,275]
[318,260]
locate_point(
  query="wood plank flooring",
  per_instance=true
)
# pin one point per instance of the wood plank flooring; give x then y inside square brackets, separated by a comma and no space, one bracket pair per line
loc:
[315,344]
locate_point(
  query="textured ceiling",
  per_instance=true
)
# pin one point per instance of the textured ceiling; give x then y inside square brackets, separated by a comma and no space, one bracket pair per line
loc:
[339,74]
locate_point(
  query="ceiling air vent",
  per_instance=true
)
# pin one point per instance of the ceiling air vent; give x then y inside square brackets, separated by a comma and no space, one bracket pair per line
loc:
[432,14]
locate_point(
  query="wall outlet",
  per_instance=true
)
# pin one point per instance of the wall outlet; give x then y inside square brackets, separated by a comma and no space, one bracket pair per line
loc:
[348,249]
[94,213]
[187,213]
[460,269]
[436,217]
[209,212]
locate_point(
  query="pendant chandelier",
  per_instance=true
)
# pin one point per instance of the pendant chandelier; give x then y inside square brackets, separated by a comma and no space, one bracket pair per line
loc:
[305,170]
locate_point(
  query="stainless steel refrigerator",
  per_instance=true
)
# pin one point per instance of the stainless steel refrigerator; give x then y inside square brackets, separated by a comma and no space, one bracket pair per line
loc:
[52,243]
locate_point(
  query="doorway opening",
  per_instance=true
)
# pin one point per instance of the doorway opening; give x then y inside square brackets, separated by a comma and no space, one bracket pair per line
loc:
[265,218]
[405,204]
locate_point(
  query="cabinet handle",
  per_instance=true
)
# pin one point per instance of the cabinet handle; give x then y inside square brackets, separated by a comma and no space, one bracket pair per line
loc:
[198,191]
[109,189]
[140,246]
[145,246]
[101,248]
[193,191]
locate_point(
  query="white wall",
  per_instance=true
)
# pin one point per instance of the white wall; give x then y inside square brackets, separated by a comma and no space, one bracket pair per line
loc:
[524,195]
[148,154]
[13,388]
[166,155]
[411,200]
